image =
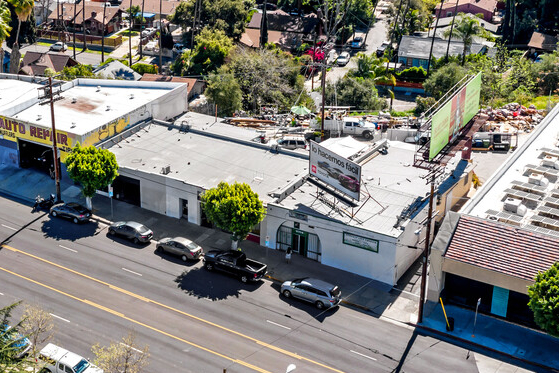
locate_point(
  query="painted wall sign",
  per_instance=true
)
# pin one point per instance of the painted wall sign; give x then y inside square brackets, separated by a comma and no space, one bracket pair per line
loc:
[361,242]
[500,301]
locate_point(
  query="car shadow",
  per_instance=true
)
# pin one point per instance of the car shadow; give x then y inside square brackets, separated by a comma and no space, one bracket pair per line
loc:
[214,286]
[318,315]
[62,229]
[176,259]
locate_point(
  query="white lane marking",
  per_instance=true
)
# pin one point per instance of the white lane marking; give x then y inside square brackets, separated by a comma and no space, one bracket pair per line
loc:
[6,226]
[276,324]
[127,270]
[368,357]
[132,348]
[58,317]
[1,293]
[67,248]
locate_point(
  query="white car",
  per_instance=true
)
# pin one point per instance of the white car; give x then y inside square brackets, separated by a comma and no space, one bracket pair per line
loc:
[343,59]
[58,47]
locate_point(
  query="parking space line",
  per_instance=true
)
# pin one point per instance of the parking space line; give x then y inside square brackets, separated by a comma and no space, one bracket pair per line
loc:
[67,248]
[6,226]
[58,317]
[368,357]
[127,270]
[276,324]
[132,348]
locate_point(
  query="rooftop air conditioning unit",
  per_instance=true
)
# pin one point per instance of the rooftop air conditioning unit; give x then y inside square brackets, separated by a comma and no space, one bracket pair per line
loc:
[535,179]
[515,206]
[550,161]
[165,170]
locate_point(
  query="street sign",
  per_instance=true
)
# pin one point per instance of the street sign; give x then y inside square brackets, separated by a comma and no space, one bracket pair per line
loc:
[110,191]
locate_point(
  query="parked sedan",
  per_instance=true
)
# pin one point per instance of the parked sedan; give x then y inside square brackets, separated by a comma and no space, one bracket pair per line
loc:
[131,230]
[180,246]
[71,210]
[343,59]
[320,293]
[58,47]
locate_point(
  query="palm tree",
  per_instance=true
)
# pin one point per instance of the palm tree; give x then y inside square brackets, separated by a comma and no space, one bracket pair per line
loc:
[23,10]
[466,28]
[5,28]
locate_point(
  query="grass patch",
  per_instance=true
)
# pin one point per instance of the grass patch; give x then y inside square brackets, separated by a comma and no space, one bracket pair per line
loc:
[541,101]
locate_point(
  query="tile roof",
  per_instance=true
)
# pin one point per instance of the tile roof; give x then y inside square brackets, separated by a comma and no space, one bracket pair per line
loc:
[165,78]
[285,23]
[543,41]
[489,5]
[35,63]
[152,6]
[251,38]
[502,248]
[93,10]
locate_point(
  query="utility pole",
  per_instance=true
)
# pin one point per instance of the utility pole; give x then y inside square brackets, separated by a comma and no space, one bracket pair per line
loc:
[426,250]
[83,25]
[433,39]
[130,18]
[451,28]
[103,33]
[323,99]
[48,96]
[142,27]
[194,22]
[160,36]
[74,29]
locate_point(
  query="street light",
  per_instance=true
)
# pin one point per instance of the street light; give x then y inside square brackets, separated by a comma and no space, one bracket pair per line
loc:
[290,368]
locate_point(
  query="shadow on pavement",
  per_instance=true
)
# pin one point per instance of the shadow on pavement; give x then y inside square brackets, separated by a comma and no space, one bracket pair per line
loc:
[176,259]
[319,315]
[200,283]
[60,229]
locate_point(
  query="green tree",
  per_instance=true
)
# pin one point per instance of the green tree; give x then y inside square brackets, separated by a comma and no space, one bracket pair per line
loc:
[371,67]
[234,208]
[9,339]
[359,93]
[5,28]
[93,168]
[183,14]
[125,356]
[224,91]
[544,300]
[136,13]
[23,10]
[78,71]
[466,28]
[444,79]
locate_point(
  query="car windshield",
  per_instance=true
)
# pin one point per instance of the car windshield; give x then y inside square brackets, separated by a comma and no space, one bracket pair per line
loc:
[143,229]
[192,246]
[335,291]
[81,366]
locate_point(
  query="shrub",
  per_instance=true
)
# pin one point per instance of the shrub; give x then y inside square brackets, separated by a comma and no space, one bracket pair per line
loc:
[412,74]
[423,103]
[143,68]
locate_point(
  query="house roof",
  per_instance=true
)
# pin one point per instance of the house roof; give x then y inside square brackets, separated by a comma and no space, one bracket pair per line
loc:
[447,21]
[279,21]
[35,63]
[152,6]
[165,78]
[251,38]
[418,47]
[489,5]
[543,41]
[93,10]
[117,70]
[502,248]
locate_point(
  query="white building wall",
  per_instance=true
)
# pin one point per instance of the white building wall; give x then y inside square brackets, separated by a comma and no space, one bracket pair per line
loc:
[411,243]
[375,265]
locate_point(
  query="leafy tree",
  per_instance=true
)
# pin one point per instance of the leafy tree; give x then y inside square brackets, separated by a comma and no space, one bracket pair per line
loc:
[24,11]
[143,68]
[466,28]
[9,341]
[38,325]
[78,71]
[125,356]
[136,13]
[224,91]
[93,168]
[183,14]
[422,104]
[444,79]
[5,28]
[234,208]
[359,93]
[544,300]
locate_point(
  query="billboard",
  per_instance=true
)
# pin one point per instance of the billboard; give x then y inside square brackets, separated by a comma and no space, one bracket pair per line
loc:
[447,122]
[335,170]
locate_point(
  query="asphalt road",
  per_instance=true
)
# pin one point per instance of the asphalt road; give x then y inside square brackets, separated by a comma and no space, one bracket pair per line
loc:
[99,288]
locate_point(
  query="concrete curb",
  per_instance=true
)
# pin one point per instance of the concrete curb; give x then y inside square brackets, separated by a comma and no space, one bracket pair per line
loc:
[483,347]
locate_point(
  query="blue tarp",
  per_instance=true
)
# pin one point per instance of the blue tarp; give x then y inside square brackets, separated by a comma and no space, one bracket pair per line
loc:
[148,15]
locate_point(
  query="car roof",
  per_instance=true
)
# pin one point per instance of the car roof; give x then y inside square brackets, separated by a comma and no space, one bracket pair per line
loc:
[133,224]
[182,240]
[317,283]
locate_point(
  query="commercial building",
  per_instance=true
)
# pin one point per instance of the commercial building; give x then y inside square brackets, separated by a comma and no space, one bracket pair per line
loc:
[506,234]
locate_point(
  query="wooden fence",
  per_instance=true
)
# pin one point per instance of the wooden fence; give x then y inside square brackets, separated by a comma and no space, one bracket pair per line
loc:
[112,42]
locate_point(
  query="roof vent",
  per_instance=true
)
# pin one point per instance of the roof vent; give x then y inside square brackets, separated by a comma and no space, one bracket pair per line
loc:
[74,100]
[131,96]
[108,107]
[165,170]
[73,125]
[39,117]
[98,88]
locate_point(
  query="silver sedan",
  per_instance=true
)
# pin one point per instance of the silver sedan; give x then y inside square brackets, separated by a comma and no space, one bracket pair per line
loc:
[183,247]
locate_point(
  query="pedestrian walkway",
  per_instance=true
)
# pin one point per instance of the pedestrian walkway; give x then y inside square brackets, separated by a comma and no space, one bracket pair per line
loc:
[398,305]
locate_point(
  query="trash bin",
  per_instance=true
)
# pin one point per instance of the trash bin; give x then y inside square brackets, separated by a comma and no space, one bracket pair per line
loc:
[450,325]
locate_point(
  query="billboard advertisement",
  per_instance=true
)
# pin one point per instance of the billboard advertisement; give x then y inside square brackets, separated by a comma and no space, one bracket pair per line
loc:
[447,122]
[335,170]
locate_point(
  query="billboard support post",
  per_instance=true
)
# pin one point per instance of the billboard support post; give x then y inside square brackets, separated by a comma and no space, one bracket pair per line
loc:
[426,252]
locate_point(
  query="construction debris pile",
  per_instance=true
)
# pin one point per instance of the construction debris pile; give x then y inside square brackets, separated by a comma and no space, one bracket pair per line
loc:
[513,118]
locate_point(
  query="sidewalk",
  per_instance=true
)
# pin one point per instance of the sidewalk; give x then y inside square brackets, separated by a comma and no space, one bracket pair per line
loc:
[379,300]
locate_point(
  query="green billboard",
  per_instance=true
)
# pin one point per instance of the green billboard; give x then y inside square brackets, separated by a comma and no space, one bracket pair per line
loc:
[447,122]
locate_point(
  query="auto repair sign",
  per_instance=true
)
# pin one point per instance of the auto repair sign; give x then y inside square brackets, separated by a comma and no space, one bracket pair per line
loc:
[335,170]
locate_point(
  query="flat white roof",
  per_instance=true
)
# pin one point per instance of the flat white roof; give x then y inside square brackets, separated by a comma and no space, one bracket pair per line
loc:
[85,108]
[15,92]
[514,180]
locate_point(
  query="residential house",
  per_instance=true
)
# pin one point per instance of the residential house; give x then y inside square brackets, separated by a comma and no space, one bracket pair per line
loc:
[195,86]
[286,31]
[414,50]
[93,19]
[445,23]
[542,42]
[35,63]
[484,7]
[116,70]
[153,6]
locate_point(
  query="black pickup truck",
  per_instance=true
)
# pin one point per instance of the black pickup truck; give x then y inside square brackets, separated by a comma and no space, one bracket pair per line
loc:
[236,263]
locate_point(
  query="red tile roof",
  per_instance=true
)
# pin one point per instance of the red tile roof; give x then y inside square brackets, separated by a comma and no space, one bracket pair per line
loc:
[489,5]
[166,78]
[502,248]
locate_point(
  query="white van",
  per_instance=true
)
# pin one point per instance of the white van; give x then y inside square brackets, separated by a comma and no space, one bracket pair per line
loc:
[292,143]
